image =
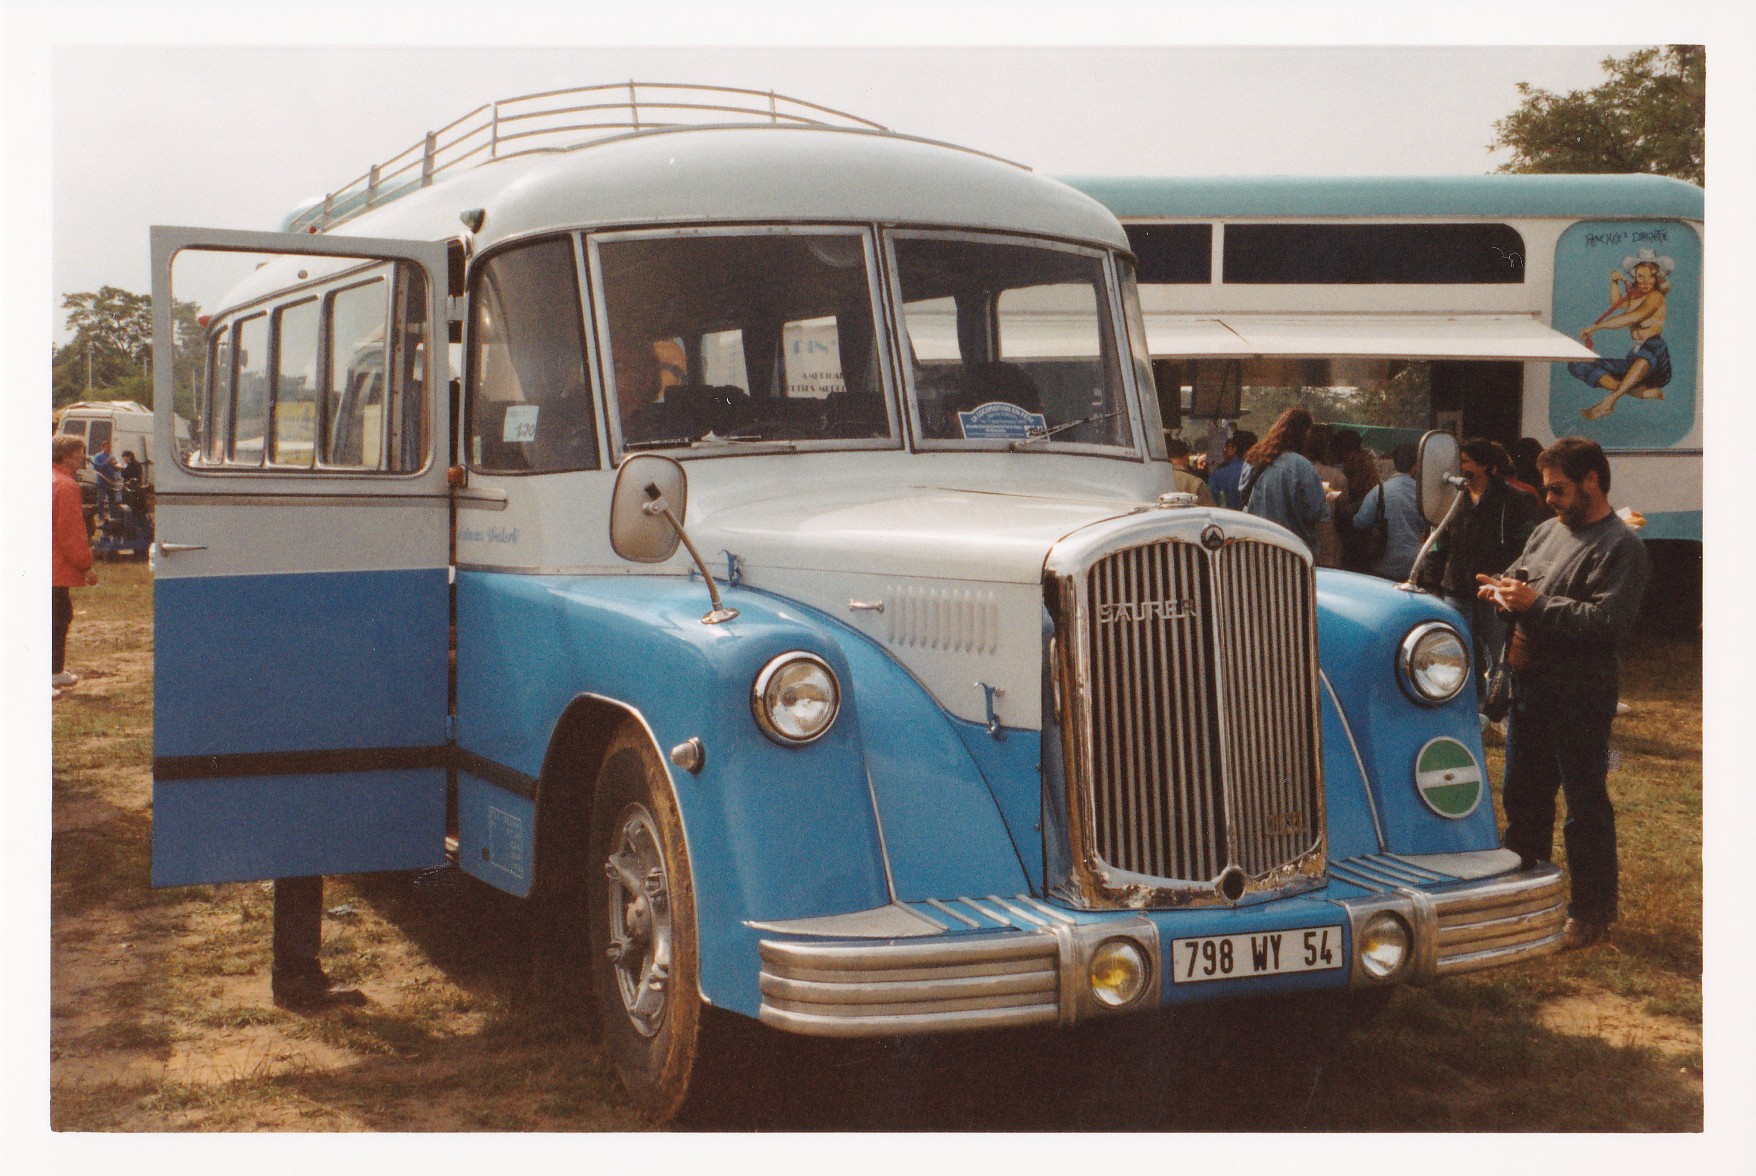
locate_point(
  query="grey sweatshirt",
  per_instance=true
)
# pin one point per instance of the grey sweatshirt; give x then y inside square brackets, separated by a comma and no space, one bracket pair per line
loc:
[1590,583]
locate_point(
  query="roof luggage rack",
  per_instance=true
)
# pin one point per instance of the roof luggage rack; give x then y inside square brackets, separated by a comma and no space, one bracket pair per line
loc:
[557,120]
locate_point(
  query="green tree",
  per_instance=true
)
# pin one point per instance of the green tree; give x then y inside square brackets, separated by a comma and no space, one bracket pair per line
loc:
[110,354]
[1650,116]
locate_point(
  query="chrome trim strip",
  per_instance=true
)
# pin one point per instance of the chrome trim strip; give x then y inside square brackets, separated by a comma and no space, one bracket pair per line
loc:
[1030,917]
[958,915]
[883,846]
[978,908]
[1045,908]
[1348,730]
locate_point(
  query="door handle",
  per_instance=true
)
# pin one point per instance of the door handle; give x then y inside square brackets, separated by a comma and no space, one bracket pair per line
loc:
[168,548]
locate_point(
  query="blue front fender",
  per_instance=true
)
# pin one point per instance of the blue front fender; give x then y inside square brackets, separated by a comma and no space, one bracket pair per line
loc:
[1361,622]
[773,832]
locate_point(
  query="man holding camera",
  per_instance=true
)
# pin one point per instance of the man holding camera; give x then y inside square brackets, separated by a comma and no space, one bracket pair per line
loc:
[1575,593]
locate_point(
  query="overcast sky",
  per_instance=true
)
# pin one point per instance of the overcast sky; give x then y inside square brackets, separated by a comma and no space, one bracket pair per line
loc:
[233,138]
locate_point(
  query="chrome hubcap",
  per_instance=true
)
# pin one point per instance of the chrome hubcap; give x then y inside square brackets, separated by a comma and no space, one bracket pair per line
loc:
[640,919]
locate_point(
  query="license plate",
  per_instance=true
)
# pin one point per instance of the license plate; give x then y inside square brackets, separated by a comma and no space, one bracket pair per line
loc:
[1264,953]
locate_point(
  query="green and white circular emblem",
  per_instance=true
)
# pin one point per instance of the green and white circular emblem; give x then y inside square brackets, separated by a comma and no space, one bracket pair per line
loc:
[1448,778]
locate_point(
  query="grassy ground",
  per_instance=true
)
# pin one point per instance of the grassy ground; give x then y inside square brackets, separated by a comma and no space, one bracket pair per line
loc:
[160,1017]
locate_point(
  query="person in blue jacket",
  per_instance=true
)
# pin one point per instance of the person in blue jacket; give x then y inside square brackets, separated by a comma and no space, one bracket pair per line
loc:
[1281,485]
[1224,482]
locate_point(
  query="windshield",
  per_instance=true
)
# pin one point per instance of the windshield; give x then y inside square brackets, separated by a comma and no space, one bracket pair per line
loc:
[743,337]
[1009,345]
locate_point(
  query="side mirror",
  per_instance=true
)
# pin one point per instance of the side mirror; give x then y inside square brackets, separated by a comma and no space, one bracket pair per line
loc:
[1435,463]
[636,532]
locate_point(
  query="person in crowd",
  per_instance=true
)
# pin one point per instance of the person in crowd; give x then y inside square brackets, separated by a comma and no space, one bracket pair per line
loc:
[133,476]
[1279,482]
[1574,591]
[1224,482]
[1488,532]
[1391,507]
[70,555]
[1524,467]
[1188,482]
[1506,470]
[109,479]
[1359,470]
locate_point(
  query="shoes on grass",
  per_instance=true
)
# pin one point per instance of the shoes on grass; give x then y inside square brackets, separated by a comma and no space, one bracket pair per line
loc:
[64,678]
[315,996]
[1580,933]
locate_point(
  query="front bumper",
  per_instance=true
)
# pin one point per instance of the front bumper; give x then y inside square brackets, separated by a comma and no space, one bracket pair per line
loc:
[964,964]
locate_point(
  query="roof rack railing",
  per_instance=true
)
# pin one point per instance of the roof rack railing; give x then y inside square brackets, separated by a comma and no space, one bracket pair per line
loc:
[556,120]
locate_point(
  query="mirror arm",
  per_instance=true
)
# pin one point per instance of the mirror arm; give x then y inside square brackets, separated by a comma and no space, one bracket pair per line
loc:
[1409,584]
[657,505]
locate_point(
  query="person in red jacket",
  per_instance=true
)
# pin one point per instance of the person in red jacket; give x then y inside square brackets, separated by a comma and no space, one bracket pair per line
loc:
[71,559]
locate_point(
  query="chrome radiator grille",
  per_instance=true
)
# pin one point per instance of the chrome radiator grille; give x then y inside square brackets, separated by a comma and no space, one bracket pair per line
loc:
[1203,722]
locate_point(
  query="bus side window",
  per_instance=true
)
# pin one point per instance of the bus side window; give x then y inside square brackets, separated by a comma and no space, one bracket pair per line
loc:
[218,401]
[354,392]
[295,384]
[250,414]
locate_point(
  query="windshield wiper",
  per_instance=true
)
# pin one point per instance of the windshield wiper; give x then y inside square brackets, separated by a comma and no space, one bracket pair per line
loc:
[1044,434]
[659,443]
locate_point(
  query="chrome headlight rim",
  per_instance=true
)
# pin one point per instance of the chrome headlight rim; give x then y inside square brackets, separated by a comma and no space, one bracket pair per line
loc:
[1405,662]
[1137,960]
[759,697]
[1373,966]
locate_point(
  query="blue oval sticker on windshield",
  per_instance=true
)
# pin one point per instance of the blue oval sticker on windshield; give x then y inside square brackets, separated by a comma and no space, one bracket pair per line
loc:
[999,421]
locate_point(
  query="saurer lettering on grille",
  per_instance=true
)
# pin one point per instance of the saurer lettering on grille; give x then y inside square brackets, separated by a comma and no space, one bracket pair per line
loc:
[1146,610]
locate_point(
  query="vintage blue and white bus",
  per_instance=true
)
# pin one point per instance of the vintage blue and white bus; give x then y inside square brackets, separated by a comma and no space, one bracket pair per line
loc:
[754,542]
[1500,306]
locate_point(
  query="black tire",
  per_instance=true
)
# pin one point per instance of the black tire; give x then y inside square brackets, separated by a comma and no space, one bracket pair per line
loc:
[640,907]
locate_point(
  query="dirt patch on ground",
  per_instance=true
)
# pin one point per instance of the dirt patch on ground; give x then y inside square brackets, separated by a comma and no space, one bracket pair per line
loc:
[1620,1022]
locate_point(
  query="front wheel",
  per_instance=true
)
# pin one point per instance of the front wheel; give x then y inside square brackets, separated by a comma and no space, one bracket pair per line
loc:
[641,910]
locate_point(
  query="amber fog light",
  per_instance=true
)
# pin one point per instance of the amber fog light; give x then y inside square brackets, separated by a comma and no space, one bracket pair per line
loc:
[1384,945]
[1118,972]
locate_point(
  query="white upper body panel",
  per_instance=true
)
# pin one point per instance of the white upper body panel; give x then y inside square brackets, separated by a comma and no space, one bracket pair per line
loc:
[745,173]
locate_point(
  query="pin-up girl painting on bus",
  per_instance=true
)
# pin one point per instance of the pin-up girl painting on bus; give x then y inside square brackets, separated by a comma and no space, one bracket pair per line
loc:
[1637,303]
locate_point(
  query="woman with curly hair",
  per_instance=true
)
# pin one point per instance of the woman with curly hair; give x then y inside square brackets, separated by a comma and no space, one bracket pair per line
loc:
[1280,484]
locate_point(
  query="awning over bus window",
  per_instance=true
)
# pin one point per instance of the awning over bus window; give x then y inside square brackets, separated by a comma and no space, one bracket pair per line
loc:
[1401,336]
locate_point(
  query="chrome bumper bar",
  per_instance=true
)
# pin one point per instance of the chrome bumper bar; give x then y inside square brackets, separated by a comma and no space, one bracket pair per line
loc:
[899,976]
[942,984]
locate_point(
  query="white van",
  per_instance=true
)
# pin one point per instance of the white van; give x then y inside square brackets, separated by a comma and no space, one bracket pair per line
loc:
[125,424]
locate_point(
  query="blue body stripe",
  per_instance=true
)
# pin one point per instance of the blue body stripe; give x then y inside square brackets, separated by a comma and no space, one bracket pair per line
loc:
[246,828]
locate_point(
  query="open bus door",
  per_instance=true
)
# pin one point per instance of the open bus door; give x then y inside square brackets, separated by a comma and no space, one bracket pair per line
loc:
[301,572]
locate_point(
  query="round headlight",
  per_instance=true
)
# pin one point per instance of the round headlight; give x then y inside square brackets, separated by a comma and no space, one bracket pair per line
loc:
[1383,945]
[1435,662]
[1118,972]
[795,698]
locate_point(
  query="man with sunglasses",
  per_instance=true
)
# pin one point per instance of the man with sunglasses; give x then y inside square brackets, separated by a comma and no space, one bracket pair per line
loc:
[1575,592]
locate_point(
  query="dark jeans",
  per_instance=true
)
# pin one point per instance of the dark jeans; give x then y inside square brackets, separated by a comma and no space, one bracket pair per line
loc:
[298,929]
[62,614]
[1487,635]
[1558,738]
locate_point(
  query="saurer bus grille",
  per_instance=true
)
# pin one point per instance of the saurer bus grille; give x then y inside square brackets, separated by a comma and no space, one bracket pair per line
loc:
[1203,713]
